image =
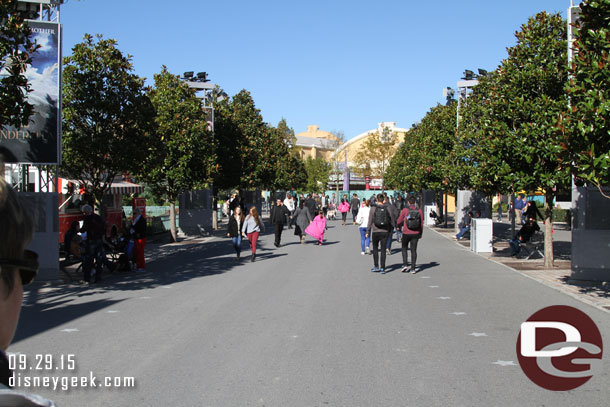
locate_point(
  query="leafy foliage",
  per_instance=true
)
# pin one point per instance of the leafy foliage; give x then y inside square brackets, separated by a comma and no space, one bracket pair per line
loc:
[318,171]
[180,152]
[16,49]
[586,144]
[374,155]
[106,115]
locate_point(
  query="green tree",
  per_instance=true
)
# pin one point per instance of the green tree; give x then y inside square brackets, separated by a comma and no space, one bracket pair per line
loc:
[318,172]
[586,144]
[290,169]
[106,114]
[336,157]
[515,140]
[16,49]
[180,154]
[374,156]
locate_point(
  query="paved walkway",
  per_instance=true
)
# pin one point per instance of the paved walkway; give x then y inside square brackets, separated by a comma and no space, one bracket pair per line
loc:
[559,278]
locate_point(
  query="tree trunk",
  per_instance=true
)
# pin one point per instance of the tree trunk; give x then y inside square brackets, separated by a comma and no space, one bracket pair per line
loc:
[511,205]
[172,220]
[548,231]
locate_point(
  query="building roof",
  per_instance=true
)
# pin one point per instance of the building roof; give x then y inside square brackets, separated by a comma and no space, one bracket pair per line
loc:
[303,141]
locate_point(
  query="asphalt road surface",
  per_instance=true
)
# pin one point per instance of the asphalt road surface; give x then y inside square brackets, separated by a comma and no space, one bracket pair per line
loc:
[304,325]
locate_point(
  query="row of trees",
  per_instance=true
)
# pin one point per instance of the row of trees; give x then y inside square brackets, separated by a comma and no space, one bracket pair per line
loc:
[113,123]
[529,125]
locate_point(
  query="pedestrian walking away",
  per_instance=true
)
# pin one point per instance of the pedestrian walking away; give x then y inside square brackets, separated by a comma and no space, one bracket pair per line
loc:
[411,223]
[395,213]
[279,214]
[355,206]
[252,228]
[302,219]
[317,227]
[344,209]
[234,230]
[363,220]
[381,222]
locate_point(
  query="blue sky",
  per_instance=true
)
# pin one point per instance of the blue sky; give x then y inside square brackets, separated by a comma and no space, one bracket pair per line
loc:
[343,65]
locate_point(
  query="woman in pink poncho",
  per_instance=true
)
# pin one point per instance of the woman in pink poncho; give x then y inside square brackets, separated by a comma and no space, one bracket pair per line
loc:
[317,227]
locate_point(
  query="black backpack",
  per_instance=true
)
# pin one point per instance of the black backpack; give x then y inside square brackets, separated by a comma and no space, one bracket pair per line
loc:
[381,218]
[413,219]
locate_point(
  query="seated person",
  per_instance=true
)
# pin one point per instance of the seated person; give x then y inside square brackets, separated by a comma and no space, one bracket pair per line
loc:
[465,227]
[523,235]
[72,241]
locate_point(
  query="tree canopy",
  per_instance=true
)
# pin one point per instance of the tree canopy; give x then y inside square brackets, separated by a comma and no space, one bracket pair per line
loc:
[586,130]
[106,113]
[16,49]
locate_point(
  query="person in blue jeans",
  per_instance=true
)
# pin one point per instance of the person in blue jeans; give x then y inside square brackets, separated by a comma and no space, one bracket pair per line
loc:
[465,228]
[234,229]
[362,219]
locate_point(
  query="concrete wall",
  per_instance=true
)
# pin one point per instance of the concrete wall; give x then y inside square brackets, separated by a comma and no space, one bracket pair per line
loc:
[196,213]
[590,234]
[43,206]
[470,201]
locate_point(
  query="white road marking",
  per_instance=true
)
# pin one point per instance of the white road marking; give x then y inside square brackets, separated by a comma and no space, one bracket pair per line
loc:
[145,298]
[69,330]
[433,286]
[444,298]
[112,311]
[504,363]
[166,286]
[426,277]
[458,313]
[477,334]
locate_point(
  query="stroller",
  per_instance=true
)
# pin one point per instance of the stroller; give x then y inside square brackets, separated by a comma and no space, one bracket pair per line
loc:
[438,220]
[331,213]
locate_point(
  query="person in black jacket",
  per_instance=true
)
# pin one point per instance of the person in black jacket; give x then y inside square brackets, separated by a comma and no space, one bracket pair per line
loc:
[236,221]
[278,220]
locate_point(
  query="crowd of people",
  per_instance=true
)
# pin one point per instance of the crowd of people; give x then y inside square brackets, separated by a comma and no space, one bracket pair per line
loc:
[378,220]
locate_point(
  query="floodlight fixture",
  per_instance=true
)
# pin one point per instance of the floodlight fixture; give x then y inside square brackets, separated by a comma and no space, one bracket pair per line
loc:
[188,75]
[202,76]
[482,72]
[468,75]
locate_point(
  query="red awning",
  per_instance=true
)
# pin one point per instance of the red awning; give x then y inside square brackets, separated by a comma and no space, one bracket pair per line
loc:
[125,187]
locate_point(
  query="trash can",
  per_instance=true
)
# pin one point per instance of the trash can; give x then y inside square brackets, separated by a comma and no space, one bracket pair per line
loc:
[481,235]
[219,212]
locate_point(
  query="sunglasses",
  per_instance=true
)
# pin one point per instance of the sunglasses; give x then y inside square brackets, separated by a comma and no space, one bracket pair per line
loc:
[28,266]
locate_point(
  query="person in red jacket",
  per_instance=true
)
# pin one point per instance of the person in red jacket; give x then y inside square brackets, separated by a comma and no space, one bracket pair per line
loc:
[411,219]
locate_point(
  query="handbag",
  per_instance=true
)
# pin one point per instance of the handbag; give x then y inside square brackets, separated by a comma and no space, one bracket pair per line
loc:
[297,230]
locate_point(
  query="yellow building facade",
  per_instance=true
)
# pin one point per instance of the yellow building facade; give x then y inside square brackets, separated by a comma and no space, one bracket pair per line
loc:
[316,143]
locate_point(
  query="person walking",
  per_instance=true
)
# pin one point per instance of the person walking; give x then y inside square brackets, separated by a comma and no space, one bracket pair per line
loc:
[412,221]
[278,219]
[381,221]
[344,209]
[519,206]
[302,219]
[355,206]
[317,227]
[234,230]
[251,229]
[499,211]
[395,213]
[362,219]
[289,204]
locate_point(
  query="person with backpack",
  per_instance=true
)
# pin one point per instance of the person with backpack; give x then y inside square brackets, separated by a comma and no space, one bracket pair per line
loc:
[395,213]
[412,221]
[381,222]
[355,206]
[138,231]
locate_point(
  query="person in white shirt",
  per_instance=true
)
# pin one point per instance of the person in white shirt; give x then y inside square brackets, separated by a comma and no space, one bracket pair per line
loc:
[289,204]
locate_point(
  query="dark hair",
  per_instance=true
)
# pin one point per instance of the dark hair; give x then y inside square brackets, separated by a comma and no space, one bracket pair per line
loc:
[380,198]
[301,204]
[412,200]
[16,230]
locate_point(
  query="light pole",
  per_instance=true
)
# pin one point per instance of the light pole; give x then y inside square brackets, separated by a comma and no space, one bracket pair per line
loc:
[201,83]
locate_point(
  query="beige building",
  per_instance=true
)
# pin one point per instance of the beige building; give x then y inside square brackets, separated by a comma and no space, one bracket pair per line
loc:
[316,143]
[354,145]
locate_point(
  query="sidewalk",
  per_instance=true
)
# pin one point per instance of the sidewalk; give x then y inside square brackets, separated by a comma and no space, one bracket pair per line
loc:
[559,278]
